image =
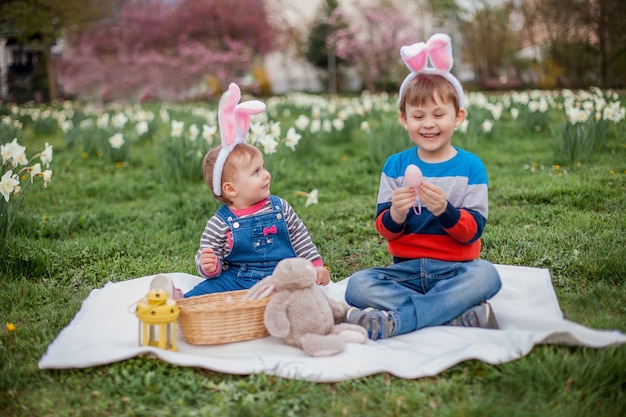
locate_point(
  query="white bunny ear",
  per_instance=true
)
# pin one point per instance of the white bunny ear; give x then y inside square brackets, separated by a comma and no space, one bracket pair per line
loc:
[226,115]
[415,56]
[243,111]
[440,52]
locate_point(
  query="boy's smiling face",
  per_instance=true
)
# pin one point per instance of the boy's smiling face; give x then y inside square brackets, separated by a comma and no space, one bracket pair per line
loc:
[431,127]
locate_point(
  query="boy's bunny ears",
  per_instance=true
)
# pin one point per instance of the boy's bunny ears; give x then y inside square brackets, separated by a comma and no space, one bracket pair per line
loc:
[439,51]
[234,121]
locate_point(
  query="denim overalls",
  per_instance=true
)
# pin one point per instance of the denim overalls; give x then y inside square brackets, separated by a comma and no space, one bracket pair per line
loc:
[259,242]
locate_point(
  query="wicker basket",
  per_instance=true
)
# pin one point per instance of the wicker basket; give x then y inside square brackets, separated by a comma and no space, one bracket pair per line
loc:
[219,318]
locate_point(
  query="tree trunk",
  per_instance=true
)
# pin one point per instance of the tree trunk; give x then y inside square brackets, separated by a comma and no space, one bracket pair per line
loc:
[51,70]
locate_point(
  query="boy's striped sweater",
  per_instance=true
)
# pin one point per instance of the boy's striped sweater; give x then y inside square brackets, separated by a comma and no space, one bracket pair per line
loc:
[455,234]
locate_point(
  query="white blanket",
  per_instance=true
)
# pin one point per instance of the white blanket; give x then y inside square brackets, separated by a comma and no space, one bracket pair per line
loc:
[105,331]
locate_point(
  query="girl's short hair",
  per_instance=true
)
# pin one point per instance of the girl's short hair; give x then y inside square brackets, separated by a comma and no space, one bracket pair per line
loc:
[241,154]
[423,89]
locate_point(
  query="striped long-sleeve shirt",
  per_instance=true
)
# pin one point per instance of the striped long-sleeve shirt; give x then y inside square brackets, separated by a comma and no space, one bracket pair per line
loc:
[455,234]
[217,235]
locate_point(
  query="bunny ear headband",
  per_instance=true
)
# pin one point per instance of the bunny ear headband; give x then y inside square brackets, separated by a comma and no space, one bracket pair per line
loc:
[439,50]
[234,121]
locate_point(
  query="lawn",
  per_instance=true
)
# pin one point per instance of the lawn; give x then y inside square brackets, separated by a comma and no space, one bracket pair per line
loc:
[113,214]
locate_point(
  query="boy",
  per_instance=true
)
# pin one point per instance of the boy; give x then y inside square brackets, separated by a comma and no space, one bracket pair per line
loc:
[436,277]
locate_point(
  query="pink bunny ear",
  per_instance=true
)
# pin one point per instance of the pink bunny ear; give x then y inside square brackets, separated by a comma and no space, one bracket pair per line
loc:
[243,111]
[438,49]
[226,115]
[234,121]
[440,52]
[415,56]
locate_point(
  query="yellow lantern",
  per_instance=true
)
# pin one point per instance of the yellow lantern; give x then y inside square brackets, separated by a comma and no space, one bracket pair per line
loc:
[157,315]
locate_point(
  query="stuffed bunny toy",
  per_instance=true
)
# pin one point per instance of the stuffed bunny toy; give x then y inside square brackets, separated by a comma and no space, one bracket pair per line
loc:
[302,315]
[234,122]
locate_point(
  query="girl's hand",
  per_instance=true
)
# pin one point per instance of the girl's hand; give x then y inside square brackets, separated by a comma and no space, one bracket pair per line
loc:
[402,200]
[208,261]
[323,276]
[434,198]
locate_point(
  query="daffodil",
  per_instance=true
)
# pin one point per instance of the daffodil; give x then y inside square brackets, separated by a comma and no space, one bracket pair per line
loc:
[292,138]
[311,197]
[7,184]
[13,152]
[177,129]
[116,141]
[46,155]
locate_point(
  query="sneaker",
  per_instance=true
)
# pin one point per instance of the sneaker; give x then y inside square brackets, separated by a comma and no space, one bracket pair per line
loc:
[165,283]
[480,315]
[378,323]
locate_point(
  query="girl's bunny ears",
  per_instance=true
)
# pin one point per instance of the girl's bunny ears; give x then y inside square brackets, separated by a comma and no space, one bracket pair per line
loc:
[234,121]
[438,50]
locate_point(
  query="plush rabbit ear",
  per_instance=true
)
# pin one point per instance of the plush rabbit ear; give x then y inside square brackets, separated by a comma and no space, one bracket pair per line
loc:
[438,50]
[226,115]
[243,111]
[234,121]
[415,56]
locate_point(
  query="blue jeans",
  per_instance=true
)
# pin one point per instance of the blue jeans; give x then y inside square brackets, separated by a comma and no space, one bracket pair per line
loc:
[423,292]
[231,279]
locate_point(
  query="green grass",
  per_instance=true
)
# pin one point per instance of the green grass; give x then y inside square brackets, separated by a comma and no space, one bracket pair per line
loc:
[97,223]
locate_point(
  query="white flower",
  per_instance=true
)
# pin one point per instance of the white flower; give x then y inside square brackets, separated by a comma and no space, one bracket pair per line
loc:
[327,126]
[301,122]
[103,121]
[116,141]
[119,120]
[141,127]
[316,126]
[292,138]
[193,132]
[338,124]
[164,115]
[365,126]
[514,113]
[35,170]
[14,152]
[274,129]
[67,125]
[257,129]
[8,184]
[47,175]
[208,133]
[311,198]
[177,129]
[46,155]
[268,143]
[486,126]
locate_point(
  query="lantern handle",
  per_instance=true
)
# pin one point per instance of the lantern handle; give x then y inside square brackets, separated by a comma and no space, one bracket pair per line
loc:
[133,307]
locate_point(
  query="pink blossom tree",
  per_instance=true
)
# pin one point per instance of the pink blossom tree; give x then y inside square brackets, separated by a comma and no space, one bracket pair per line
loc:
[164,50]
[371,44]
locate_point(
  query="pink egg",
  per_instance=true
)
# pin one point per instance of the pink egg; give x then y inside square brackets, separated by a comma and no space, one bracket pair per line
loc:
[413,176]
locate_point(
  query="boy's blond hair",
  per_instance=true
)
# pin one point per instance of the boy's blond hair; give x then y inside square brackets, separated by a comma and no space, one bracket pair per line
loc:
[241,154]
[424,88]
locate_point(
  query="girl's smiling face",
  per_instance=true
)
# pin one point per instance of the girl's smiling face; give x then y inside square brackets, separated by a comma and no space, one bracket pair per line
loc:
[430,126]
